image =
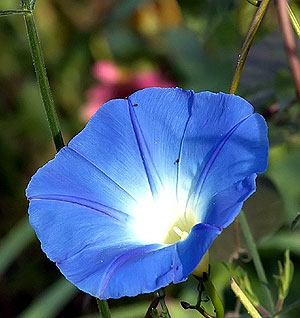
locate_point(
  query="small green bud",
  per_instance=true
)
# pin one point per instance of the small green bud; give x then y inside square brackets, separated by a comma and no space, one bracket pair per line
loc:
[244,282]
[284,278]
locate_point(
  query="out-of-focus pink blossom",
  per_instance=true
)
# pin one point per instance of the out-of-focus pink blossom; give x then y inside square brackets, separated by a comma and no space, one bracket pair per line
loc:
[106,72]
[115,82]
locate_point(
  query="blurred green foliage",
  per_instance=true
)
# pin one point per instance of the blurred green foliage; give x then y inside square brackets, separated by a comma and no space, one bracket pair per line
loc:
[196,43]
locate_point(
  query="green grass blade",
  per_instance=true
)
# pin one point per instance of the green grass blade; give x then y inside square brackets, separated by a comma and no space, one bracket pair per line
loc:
[14,243]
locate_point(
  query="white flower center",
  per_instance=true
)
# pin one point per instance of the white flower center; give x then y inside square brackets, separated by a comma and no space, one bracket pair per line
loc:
[163,220]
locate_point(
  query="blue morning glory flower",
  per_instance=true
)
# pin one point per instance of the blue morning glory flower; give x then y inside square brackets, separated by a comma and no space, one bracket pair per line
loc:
[135,200]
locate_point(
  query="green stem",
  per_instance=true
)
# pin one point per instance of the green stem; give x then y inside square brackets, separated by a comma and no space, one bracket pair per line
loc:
[164,308]
[279,305]
[247,44]
[214,297]
[234,84]
[244,300]
[103,308]
[11,12]
[257,261]
[294,21]
[40,70]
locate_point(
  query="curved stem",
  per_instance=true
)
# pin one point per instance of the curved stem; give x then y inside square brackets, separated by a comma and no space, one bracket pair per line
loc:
[247,44]
[214,297]
[257,261]
[40,70]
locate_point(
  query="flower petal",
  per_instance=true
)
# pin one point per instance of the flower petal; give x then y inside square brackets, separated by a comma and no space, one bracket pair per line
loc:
[71,177]
[108,141]
[162,115]
[205,149]
[98,255]
[225,144]
[137,141]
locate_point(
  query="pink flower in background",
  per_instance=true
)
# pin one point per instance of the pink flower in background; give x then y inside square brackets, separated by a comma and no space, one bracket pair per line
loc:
[106,72]
[115,82]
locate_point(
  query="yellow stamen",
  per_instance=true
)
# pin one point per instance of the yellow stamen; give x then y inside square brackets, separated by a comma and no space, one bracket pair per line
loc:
[182,234]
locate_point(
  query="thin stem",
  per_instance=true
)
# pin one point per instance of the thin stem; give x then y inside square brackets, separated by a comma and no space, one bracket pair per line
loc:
[161,296]
[214,297]
[295,222]
[257,261]
[288,308]
[279,305]
[40,70]
[237,241]
[294,21]
[103,308]
[244,300]
[164,307]
[289,42]
[197,307]
[152,306]
[11,12]
[247,44]
[263,311]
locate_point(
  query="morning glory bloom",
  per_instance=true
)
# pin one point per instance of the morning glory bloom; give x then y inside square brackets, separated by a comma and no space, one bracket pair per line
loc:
[135,200]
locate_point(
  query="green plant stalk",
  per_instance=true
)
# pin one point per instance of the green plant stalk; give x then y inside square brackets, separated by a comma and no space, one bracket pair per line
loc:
[294,21]
[234,84]
[257,261]
[11,12]
[164,307]
[103,308]
[214,297]
[40,70]
[243,299]
[247,44]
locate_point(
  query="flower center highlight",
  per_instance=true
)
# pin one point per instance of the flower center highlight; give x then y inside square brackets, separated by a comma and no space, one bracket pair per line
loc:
[180,229]
[163,220]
